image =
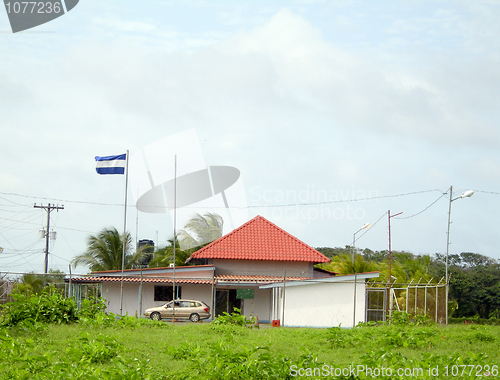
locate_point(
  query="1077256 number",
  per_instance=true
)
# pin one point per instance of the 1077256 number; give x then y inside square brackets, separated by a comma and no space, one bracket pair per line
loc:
[469,370]
[33,7]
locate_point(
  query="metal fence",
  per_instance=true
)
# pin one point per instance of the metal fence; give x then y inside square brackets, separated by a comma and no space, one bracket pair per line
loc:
[418,299]
[69,290]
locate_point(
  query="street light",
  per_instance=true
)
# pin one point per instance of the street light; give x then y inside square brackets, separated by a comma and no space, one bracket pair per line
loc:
[467,194]
[367,225]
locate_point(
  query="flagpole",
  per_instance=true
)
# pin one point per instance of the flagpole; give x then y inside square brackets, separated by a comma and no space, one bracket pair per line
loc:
[124,242]
[175,214]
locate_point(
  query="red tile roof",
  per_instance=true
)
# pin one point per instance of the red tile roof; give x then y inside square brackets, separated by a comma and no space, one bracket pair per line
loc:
[259,239]
[236,279]
[177,267]
[153,280]
[256,279]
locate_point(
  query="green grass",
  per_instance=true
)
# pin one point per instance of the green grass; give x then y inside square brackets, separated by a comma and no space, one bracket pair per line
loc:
[133,349]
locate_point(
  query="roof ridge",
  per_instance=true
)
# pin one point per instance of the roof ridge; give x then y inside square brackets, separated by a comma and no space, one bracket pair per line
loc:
[269,228]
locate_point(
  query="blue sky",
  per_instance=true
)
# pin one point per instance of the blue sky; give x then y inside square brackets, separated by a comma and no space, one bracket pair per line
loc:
[334,113]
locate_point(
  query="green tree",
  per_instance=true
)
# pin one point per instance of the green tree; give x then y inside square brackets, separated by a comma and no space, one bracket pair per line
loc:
[34,283]
[105,250]
[163,257]
[474,284]
[342,264]
[30,283]
[332,252]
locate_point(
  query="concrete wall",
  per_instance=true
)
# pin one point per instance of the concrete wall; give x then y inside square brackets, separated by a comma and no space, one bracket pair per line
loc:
[324,305]
[260,305]
[263,268]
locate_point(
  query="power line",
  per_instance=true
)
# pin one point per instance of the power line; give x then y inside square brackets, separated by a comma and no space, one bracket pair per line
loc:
[373,225]
[425,209]
[244,207]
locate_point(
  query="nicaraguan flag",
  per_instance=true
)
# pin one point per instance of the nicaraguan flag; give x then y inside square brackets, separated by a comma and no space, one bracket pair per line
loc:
[111,164]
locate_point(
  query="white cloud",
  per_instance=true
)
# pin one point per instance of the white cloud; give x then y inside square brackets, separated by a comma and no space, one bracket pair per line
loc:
[284,102]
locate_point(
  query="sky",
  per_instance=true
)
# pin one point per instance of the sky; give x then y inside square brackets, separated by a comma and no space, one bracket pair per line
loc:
[335,113]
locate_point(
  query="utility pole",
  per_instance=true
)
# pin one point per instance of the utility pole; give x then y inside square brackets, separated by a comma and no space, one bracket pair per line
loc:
[48,208]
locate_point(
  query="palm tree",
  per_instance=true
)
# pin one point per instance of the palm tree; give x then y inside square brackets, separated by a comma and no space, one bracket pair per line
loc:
[163,257]
[34,283]
[30,283]
[200,231]
[342,264]
[104,252]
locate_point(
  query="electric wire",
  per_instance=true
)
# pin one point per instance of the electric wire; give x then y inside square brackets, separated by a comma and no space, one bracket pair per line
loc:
[371,226]
[420,212]
[242,207]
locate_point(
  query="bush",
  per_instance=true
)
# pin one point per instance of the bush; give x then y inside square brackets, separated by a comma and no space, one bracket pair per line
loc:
[90,308]
[222,361]
[475,320]
[235,318]
[48,307]
[29,310]
[402,318]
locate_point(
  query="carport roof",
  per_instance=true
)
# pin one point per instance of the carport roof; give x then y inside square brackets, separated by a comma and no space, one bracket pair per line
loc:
[222,279]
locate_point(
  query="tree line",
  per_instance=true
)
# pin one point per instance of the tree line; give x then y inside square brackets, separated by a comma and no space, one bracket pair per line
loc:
[474,278]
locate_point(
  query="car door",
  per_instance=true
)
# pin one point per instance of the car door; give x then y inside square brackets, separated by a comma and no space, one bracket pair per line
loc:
[178,309]
[189,308]
[184,310]
[166,311]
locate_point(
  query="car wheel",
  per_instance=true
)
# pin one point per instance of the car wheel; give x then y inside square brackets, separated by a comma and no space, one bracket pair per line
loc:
[155,316]
[194,317]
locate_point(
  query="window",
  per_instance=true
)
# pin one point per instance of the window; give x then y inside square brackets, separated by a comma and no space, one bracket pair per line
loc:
[164,293]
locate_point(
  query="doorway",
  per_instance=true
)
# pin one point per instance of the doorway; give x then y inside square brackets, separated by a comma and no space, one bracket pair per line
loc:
[226,301]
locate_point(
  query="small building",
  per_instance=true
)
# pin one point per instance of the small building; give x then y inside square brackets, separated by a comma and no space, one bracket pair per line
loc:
[250,268]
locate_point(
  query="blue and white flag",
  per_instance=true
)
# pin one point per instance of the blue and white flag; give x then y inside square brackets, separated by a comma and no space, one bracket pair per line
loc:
[111,164]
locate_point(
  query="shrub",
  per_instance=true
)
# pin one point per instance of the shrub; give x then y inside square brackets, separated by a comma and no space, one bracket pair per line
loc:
[222,361]
[97,350]
[29,310]
[402,318]
[235,318]
[49,306]
[91,307]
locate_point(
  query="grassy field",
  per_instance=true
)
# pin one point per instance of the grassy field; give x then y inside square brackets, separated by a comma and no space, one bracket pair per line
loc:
[142,349]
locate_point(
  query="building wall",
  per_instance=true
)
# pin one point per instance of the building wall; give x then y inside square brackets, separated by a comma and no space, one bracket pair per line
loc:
[259,306]
[324,305]
[263,268]
[111,292]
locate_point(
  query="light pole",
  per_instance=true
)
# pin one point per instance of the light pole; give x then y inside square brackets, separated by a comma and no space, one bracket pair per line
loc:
[389,216]
[367,225]
[467,194]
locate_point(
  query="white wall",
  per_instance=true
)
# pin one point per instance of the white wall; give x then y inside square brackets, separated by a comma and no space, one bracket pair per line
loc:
[263,268]
[260,305]
[111,292]
[324,305]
